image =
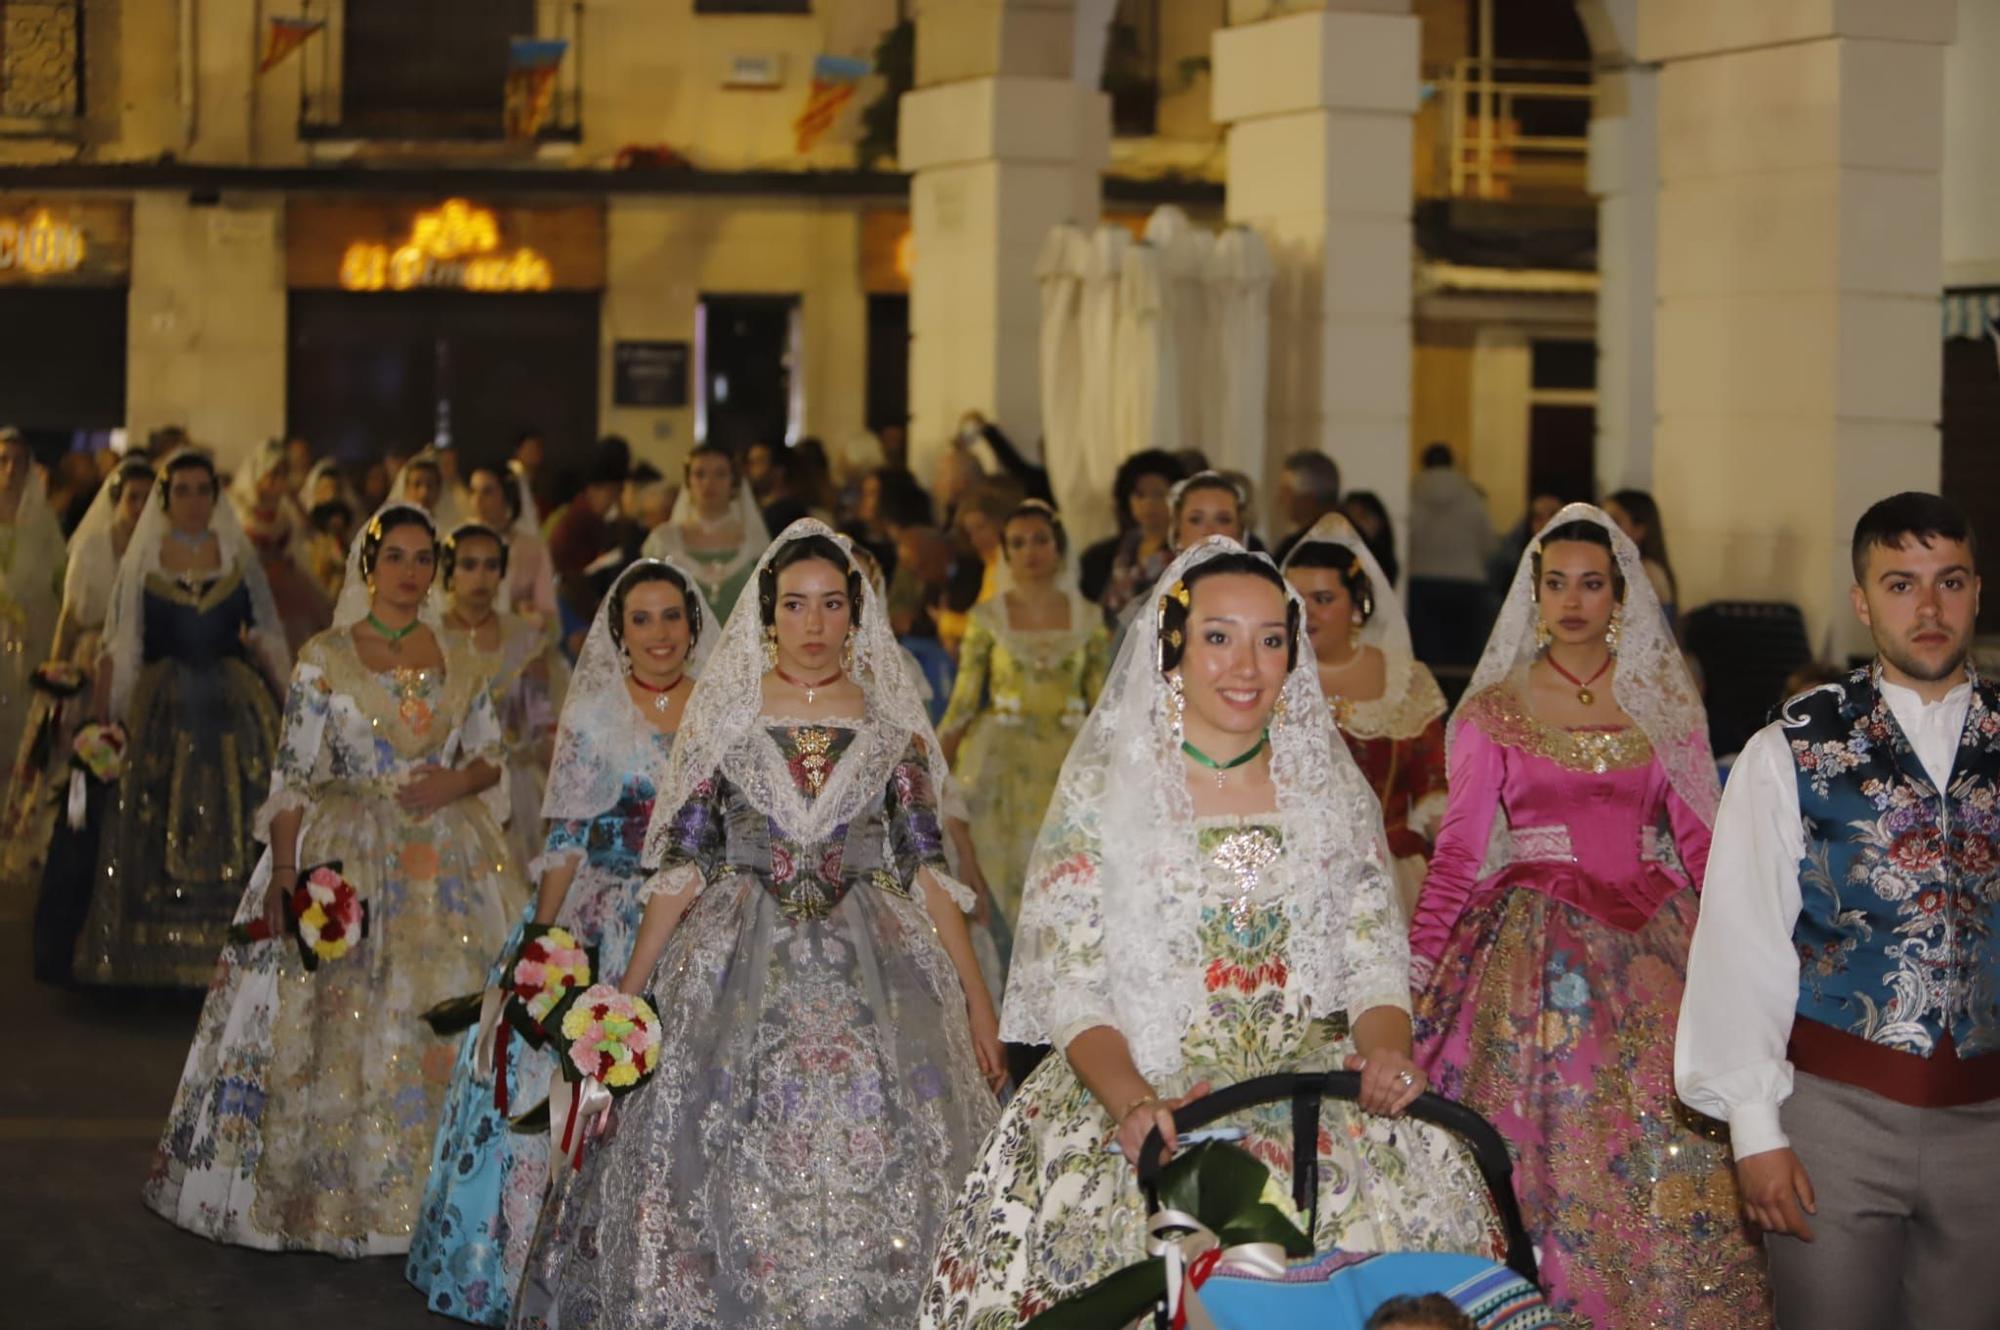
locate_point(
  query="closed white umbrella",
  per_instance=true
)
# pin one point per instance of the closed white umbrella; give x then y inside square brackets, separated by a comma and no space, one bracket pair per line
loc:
[1239,287]
[1146,405]
[1060,269]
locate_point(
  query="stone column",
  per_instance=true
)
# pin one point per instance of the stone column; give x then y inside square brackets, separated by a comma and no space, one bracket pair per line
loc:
[1797,355]
[1319,105]
[1625,180]
[1003,140]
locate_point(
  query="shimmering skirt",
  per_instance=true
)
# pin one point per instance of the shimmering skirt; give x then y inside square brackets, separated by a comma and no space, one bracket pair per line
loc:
[1559,1028]
[310,1100]
[178,843]
[790,1165]
[486,1181]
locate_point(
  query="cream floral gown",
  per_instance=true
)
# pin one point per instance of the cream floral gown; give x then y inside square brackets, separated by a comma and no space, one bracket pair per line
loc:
[1047,1212]
[307,1108]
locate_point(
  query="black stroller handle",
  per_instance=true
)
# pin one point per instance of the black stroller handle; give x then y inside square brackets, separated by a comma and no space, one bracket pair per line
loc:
[1306,1090]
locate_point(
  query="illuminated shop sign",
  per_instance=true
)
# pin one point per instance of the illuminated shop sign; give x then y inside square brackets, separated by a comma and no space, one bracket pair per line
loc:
[455,246]
[40,244]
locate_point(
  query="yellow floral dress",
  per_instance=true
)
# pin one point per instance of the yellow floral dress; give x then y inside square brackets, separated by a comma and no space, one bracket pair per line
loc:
[309,1101]
[1020,698]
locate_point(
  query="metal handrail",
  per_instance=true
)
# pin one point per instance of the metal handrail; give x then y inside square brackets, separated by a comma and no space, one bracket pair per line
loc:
[1484,145]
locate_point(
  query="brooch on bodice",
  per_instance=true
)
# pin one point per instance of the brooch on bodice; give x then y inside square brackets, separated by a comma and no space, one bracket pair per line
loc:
[813,763]
[1244,855]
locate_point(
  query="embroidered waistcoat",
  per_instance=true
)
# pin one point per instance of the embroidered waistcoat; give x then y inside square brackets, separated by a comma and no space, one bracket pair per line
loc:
[1900,883]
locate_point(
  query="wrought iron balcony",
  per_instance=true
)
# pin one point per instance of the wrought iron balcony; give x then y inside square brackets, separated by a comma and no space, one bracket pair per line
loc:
[41,66]
[442,71]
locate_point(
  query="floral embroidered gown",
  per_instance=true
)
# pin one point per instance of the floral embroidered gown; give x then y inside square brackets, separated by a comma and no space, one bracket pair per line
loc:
[1020,697]
[178,842]
[528,682]
[1552,1012]
[1047,1212]
[487,1182]
[817,1101]
[1399,745]
[303,603]
[310,1100]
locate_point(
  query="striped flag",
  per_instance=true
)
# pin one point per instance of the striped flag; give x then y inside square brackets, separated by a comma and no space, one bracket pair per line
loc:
[835,79]
[286,35]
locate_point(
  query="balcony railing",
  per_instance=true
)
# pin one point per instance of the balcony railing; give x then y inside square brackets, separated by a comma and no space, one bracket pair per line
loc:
[41,66]
[438,71]
[1516,128]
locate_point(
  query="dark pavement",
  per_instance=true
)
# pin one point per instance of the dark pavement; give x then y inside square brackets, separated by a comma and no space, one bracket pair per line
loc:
[89,1077]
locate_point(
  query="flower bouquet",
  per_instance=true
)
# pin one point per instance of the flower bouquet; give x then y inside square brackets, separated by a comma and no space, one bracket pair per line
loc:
[99,752]
[607,1045]
[550,967]
[326,917]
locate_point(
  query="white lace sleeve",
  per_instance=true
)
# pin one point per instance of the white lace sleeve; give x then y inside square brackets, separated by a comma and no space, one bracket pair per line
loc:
[960,894]
[308,703]
[1058,985]
[674,880]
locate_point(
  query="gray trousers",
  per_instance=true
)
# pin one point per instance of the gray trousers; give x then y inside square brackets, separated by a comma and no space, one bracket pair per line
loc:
[1908,1231]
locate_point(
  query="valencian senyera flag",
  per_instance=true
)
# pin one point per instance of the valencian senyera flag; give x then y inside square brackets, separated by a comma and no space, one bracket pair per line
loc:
[835,78]
[532,63]
[285,36]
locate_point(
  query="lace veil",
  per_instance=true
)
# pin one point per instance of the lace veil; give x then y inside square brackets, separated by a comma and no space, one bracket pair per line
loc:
[93,563]
[1410,698]
[446,515]
[602,738]
[1110,924]
[355,598]
[125,626]
[723,730]
[1652,683]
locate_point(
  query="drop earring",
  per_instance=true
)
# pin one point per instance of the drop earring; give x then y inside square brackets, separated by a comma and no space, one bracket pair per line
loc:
[1179,691]
[847,653]
[1614,629]
[770,646]
[1543,636]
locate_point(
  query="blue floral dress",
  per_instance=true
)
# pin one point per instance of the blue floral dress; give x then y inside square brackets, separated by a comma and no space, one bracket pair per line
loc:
[487,1182]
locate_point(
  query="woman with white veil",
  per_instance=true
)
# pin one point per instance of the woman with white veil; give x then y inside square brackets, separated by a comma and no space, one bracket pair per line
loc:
[270,516]
[29,826]
[310,1097]
[1385,702]
[1551,938]
[1031,666]
[31,571]
[1208,901]
[639,662]
[194,659]
[826,1076]
[715,528]
[501,500]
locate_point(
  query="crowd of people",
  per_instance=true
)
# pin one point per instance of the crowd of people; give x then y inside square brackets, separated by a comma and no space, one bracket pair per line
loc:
[953,860]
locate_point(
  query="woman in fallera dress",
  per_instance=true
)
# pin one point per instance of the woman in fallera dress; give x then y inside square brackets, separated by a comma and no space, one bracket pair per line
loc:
[828,1070]
[1551,985]
[31,572]
[518,653]
[194,657]
[1385,702]
[38,846]
[715,528]
[499,500]
[1032,664]
[1208,901]
[633,678]
[310,1099]
[262,494]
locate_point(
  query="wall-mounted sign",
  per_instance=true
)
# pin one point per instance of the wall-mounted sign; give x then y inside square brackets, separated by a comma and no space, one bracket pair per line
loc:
[649,373]
[57,242]
[452,245]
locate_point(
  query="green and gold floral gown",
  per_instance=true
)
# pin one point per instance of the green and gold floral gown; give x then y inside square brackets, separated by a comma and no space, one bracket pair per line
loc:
[1020,698]
[1047,1211]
